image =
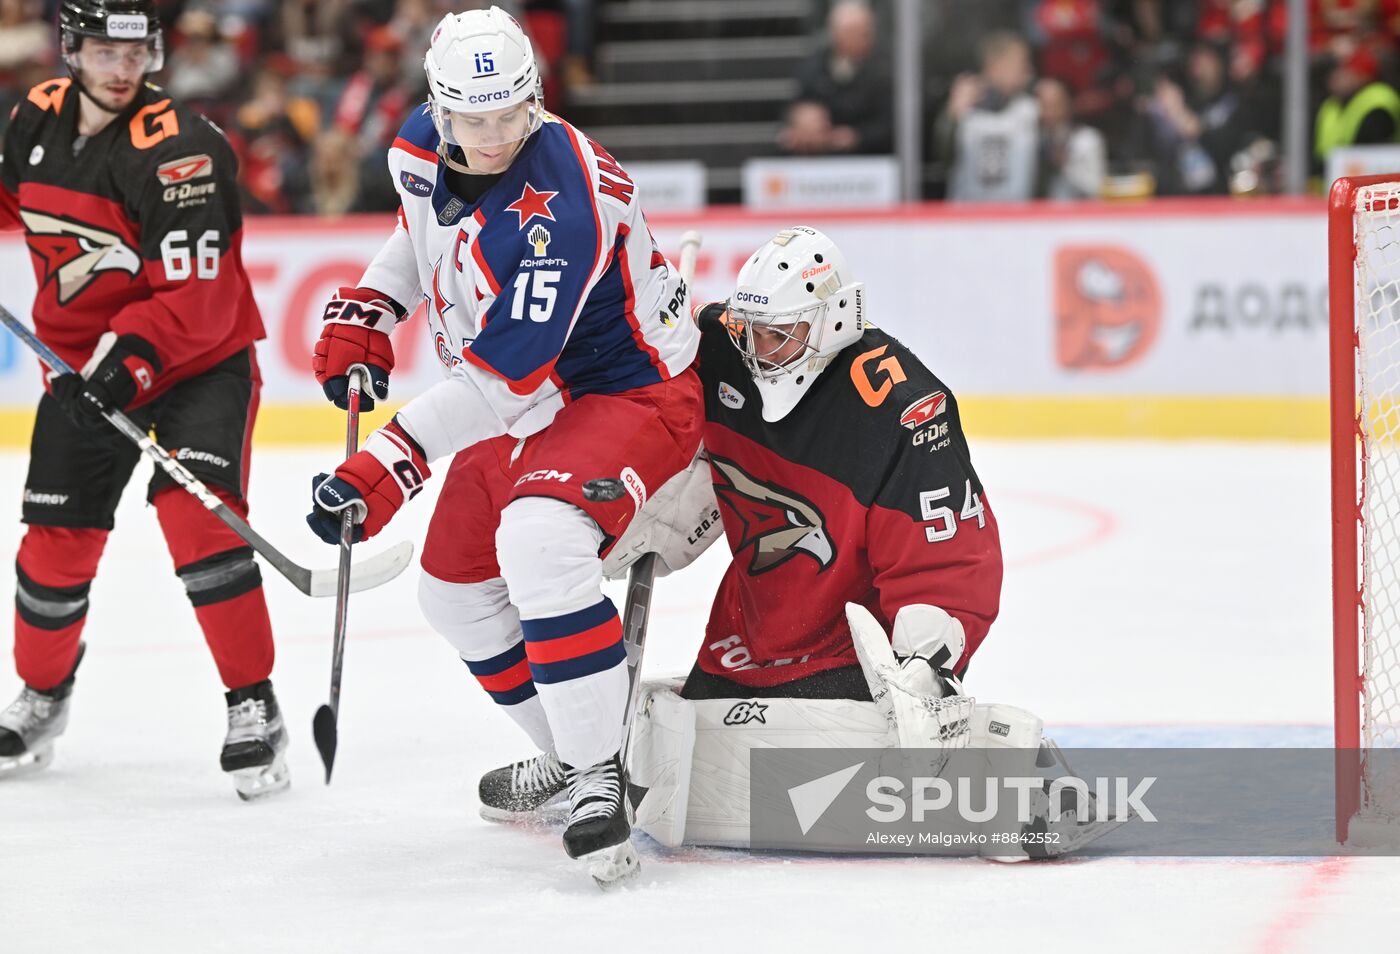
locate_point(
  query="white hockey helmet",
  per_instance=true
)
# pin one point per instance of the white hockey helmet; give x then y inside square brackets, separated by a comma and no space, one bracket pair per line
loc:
[794,309]
[481,62]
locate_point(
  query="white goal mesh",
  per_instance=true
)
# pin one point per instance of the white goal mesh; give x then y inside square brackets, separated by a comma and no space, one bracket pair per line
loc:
[1377,277]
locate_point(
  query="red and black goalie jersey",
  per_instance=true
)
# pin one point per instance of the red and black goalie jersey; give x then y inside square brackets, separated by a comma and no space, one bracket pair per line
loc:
[864,492]
[136,229]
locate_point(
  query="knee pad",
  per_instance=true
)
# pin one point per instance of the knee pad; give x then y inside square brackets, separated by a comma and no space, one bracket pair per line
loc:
[476,618]
[548,553]
[220,576]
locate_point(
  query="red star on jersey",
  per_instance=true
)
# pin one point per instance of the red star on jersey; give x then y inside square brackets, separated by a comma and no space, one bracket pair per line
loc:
[531,204]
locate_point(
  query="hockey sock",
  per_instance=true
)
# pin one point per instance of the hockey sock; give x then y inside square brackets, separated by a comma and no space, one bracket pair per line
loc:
[223,584]
[53,572]
[579,667]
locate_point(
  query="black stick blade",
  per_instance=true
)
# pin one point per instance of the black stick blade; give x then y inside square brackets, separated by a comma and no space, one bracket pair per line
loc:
[324,731]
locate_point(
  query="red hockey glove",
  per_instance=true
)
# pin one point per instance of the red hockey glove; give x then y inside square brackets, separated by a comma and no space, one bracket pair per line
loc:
[122,368]
[375,482]
[355,330]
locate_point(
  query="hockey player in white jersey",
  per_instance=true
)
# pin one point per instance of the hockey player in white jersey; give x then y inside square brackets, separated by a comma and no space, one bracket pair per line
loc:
[569,397]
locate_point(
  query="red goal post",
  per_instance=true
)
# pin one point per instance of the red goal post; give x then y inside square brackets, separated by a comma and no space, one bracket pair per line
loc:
[1364,305]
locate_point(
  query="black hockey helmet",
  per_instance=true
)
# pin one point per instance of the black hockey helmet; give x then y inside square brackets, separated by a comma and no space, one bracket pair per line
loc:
[110,20]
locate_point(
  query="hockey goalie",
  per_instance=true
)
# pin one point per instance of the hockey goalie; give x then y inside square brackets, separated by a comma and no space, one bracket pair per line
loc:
[866,565]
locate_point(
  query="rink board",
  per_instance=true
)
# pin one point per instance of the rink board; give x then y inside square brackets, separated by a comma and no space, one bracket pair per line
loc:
[1195,318]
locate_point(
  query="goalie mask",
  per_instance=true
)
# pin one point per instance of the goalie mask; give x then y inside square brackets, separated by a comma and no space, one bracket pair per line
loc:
[794,309]
[484,86]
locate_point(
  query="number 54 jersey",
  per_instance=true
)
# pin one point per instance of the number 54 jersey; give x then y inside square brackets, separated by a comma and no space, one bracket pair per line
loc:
[865,492]
[546,288]
[136,229]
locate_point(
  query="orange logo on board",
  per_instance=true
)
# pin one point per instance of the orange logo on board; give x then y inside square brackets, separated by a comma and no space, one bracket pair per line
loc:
[1108,307]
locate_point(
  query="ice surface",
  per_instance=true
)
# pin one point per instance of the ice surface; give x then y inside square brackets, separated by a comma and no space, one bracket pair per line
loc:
[1155,593]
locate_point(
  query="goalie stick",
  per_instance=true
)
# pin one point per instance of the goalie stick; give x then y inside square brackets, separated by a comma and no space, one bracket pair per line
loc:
[367,574]
[324,727]
[641,578]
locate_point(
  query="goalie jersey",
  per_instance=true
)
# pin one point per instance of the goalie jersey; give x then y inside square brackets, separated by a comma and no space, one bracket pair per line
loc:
[136,229]
[548,287]
[864,492]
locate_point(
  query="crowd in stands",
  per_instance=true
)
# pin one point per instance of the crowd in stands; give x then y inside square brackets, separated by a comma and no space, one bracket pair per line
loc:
[1081,98]
[1053,99]
[310,92]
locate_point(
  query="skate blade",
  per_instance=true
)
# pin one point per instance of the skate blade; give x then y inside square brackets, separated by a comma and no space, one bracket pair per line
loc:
[252,784]
[614,866]
[26,764]
[556,809]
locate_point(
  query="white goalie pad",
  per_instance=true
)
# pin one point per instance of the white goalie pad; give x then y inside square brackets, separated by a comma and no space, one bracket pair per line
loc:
[689,760]
[677,523]
[704,799]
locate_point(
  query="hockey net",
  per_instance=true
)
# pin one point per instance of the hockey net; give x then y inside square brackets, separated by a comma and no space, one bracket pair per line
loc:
[1364,230]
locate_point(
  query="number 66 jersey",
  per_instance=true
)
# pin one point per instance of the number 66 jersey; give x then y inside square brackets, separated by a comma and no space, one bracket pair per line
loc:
[136,229]
[545,287]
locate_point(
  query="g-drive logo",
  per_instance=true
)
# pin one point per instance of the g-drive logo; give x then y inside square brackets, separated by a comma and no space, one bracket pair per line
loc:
[891,800]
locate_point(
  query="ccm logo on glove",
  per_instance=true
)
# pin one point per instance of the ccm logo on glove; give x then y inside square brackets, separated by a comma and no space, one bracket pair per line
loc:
[373,483]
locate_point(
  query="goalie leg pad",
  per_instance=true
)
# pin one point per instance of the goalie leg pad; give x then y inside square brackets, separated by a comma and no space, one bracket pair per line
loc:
[713,809]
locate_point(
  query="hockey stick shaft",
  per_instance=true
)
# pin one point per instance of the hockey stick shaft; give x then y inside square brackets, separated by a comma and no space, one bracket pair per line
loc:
[325,727]
[641,579]
[380,569]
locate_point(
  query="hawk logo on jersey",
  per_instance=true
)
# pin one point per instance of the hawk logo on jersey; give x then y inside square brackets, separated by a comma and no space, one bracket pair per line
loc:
[74,254]
[924,410]
[777,523]
[531,204]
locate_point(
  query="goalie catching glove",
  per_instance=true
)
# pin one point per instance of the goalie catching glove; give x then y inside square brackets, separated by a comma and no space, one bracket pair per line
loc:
[121,368]
[355,330]
[374,483]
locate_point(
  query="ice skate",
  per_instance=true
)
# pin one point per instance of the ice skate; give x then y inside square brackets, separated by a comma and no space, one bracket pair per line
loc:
[523,790]
[599,834]
[31,723]
[255,749]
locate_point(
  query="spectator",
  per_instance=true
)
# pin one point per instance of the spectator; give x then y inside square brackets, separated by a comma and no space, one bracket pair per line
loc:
[578,68]
[845,98]
[1072,39]
[202,68]
[1073,157]
[26,49]
[272,150]
[373,106]
[990,130]
[1197,132]
[335,175]
[1360,110]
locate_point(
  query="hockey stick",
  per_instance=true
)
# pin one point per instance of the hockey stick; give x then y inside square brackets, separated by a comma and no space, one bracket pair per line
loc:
[324,725]
[368,574]
[641,579]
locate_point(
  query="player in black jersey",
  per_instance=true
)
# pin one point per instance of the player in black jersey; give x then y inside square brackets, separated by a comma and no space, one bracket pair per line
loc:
[129,203]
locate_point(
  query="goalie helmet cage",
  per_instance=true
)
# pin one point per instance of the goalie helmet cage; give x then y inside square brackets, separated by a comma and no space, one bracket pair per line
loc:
[1364,306]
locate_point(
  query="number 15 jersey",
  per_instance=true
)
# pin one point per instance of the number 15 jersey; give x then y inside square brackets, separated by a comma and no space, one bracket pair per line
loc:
[548,287]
